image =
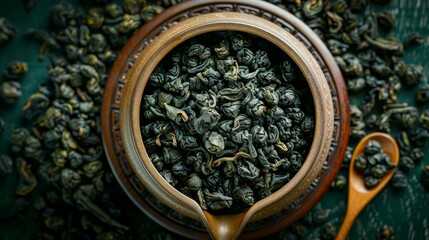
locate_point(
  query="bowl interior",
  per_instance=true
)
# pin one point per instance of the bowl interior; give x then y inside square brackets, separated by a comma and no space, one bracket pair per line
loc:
[176,83]
[149,59]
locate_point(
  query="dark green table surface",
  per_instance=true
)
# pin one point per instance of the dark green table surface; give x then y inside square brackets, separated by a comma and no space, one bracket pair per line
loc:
[406,210]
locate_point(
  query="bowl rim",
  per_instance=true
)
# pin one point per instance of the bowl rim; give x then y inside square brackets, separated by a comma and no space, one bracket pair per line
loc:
[138,77]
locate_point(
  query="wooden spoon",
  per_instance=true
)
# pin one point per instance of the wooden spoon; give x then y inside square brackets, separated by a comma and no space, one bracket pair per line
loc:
[359,195]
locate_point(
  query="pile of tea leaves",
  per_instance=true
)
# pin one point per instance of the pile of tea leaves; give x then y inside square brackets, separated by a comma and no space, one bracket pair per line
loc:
[63,173]
[227,119]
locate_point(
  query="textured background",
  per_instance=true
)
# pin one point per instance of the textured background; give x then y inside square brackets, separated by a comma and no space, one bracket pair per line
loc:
[406,210]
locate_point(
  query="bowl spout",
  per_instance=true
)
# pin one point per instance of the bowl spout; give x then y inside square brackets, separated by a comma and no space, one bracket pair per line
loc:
[225,227]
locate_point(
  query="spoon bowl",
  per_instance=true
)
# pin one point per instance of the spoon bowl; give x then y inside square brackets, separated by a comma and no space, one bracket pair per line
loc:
[359,195]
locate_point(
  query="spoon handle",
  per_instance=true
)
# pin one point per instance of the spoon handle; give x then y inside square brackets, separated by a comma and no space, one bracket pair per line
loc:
[354,207]
[346,226]
[348,221]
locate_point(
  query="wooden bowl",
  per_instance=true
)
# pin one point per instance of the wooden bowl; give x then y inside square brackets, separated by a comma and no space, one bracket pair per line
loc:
[133,141]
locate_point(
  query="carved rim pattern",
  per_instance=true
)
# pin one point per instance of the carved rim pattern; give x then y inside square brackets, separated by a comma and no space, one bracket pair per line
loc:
[113,144]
